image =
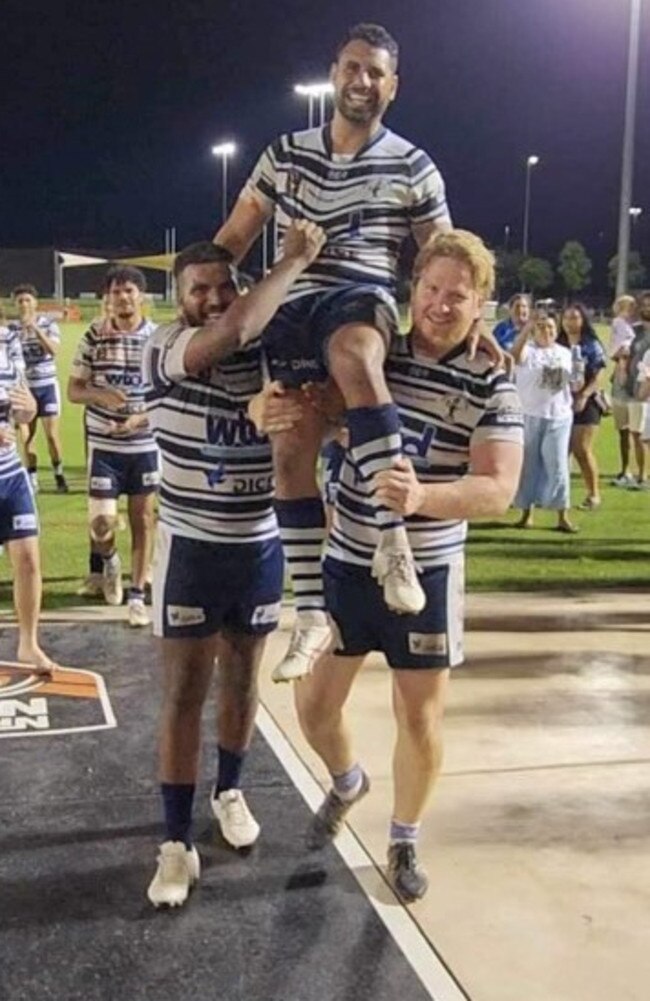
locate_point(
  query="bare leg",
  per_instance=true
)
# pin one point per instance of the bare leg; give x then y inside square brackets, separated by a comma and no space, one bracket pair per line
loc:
[238,658]
[141,520]
[418,701]
[319,702]
[582,446]
[188,665]
[25,561]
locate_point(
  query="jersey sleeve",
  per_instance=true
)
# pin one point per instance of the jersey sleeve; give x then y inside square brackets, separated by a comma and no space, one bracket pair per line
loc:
[163,360]
[502,418]
[82,363]
[428,196]
[262,183]
[53,332]
[15,351]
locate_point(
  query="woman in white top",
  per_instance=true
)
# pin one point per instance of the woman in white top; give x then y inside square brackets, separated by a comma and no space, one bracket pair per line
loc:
[543,376]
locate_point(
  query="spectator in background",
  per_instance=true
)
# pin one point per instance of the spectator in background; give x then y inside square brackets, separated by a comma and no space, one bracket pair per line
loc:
[638,359]
[627,412]
[506,332]
[543,374]
[40,338]
[577,334]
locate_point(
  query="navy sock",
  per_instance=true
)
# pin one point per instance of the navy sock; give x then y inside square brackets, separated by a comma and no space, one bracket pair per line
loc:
[177,803]
[229,769]
[375,444]
[95,562]
[302,530]
[136,594]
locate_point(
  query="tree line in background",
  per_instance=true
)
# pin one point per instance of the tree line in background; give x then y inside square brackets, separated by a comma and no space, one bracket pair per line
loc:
[572,272]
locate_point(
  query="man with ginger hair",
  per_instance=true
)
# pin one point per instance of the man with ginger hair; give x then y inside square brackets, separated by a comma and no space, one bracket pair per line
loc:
[462,433]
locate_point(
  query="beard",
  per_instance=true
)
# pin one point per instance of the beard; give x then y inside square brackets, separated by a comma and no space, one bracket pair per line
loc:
[359,114]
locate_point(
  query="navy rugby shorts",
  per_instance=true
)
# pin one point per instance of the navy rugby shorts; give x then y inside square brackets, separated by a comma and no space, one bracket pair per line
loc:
[201,588]
[295,341]
[362,622]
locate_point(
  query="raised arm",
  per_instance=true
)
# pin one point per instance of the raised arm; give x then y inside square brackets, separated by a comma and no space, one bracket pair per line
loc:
[245,318]
[244,224]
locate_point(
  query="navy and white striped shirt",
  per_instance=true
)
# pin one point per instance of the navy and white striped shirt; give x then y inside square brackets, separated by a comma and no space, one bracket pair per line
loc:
[40,365]
[12,373]
[111,358]
[444,407]
[217,475]
[367,203]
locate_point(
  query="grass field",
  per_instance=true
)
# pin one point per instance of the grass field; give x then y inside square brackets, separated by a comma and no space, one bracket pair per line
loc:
[612,549]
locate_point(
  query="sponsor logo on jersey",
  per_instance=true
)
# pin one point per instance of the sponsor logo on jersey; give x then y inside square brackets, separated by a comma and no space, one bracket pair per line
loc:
[417,446]
[71,700]
[229,431]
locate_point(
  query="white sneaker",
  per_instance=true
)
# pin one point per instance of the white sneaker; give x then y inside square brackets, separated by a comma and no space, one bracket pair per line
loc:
[92,587]
[112,584]
[178,869]
[138,615]
[624,480]
[238,825]
[394,569]
[306,645]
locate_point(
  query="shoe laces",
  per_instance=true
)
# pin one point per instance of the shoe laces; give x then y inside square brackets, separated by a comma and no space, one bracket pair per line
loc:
[235,806]
[400,565]
[405,857]
[173,866]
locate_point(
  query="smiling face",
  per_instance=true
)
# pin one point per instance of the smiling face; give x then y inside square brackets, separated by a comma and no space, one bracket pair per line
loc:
[545,331]
[205,291]
[365,82]
[444,305]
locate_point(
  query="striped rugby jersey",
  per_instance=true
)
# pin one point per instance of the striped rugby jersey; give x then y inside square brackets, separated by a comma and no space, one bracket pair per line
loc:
[444,406]
[367,203]
[40,365]
[217,476]
[12,369]
[107,357]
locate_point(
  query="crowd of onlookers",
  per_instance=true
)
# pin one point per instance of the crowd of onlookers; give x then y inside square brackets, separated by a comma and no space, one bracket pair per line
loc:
[568,381]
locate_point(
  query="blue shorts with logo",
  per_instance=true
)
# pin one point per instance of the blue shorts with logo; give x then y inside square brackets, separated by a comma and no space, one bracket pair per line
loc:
[202,588]
[18,517]
[48,400]
[295,341]
[362,622]
[111,474]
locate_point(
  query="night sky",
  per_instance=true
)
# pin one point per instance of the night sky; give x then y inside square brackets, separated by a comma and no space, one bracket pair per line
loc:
[109,110]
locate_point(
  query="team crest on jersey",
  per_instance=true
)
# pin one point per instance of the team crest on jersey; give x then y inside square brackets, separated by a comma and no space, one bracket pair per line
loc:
[453,407]
[69,701]
[377,188]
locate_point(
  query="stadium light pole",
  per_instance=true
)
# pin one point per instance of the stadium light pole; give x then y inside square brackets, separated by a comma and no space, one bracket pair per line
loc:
[224,151]
[531,162]
[627,166]
[316,94]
